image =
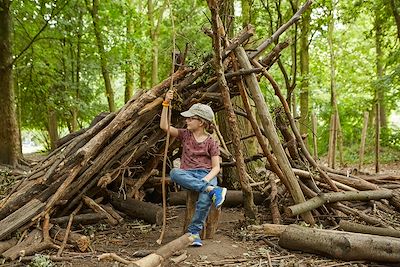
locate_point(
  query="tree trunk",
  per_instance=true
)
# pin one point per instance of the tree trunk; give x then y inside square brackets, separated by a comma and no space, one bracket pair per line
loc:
[366,229]
[94,11]
[162,254]
[380,91]
[304,72]
[377,137]
[129,73]
[394,5]
[314,135]
[269,128]
[334,130]
[341,245]
[77,71]
[323,198]
[154,34]
[363,138]
[20,217]
[52,127]
[137,209]
[218,29]
[9,132]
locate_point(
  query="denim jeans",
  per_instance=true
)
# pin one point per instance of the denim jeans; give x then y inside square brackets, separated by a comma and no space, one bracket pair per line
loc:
[193,180]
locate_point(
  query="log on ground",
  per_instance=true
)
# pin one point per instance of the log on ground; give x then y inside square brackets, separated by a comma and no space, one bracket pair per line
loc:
[341,245]
[164,252]
[323,198]
[149,212]
[366,229]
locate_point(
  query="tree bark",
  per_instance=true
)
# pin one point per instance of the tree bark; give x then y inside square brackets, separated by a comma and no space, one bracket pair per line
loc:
[269,128]
[218,30]
[366,229]
[305,73]
[363,138]
[9,133]
[20,217]
[323,198]
[341,245]
[162,254]
[129,73]
[94,11]
[137,209]
[394,6]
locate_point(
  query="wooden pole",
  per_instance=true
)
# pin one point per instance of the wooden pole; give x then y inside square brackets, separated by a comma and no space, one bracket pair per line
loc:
[314,132]
[295,130]
[377,136]
[269,128]
[341,245]
[218,29]
[363,138]
[323,198]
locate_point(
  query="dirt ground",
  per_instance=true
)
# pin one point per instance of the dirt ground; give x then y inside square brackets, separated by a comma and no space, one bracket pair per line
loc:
[232,245]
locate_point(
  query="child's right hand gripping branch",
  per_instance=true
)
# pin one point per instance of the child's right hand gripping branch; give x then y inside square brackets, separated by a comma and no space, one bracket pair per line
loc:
[164,115]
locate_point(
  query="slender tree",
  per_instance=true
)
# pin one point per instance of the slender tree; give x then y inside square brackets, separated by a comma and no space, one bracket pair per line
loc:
[304,71]
[380,93]
[94,11]
[10,146]
[129,73]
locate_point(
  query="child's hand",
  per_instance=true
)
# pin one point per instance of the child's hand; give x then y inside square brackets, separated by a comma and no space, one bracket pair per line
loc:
[169,96]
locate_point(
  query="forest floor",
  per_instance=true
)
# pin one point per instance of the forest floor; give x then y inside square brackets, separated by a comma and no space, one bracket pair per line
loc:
[232,245]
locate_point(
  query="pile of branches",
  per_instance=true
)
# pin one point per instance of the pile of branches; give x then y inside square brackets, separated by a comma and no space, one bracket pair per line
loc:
[105,168]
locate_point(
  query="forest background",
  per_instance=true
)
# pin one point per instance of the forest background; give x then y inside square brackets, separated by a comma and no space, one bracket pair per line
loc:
[62,62]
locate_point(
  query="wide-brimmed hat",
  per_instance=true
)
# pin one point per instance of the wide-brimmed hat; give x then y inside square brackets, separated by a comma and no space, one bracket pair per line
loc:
[201,110]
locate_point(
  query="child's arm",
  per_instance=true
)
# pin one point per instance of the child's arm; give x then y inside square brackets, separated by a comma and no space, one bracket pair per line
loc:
[164,115]
[215,168]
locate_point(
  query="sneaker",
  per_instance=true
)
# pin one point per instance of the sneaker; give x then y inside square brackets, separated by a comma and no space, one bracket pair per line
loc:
[197,241]
[218,196]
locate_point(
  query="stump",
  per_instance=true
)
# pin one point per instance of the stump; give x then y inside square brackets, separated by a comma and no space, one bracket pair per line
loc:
[211,224]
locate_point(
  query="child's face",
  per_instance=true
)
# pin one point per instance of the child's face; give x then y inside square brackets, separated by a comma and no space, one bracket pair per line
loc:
[193,123]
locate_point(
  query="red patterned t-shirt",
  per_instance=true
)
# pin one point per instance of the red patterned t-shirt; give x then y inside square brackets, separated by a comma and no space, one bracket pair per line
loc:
[196,155]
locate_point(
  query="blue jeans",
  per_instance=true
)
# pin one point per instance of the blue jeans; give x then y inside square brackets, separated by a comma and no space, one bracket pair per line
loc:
[193,180]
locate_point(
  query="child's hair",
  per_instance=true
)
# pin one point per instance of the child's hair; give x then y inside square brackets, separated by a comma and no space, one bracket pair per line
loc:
[208,126]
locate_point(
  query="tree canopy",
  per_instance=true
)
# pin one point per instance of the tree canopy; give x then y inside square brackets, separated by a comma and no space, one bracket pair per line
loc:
[62,53]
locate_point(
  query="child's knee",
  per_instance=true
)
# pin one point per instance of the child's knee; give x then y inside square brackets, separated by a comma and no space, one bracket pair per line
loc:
[174,173]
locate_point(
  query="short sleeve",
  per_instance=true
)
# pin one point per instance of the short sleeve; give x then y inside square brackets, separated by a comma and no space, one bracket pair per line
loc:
[182,135]
[214,148]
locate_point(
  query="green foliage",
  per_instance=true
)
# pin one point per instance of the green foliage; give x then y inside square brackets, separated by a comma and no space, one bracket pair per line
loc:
[61,71]
[41,261]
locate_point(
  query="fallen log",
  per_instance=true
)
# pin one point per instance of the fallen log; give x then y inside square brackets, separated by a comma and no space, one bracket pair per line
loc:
[366,229]
[87,218]
[97,208]
[82,242]
[5,245]
[34,237]
[20,217]
[234,198]
[341,245]
[268,229]
[323,198]
[163,253]
[136,209]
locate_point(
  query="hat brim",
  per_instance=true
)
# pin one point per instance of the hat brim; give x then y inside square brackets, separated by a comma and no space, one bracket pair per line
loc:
[187,114]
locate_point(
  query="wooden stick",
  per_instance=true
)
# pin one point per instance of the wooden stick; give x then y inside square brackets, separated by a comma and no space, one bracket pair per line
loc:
[366,229]
[295,130]
[363,138]
[96,207]
[71,219]
[267,123]
[335,197]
